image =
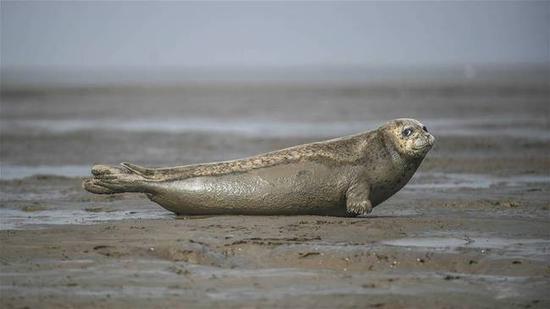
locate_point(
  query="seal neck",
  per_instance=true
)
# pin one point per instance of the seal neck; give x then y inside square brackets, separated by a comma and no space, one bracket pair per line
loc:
[389,147]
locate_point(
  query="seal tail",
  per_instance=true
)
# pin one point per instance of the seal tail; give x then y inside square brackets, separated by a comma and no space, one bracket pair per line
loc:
[111,179]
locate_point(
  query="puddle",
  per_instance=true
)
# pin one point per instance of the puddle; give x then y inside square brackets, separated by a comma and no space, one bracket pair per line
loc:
[440,243]
[118,292]
[12,219]
[527,248]
[288,291]
[428,181]
[240,273]
[32,196]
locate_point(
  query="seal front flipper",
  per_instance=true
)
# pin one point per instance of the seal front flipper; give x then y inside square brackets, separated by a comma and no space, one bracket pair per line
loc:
[357,199]
[112,179]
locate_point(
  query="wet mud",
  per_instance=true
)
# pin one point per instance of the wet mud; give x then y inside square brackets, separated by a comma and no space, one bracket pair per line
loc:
[471,229]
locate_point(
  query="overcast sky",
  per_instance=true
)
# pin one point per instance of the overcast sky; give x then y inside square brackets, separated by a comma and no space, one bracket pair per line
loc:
[183,34]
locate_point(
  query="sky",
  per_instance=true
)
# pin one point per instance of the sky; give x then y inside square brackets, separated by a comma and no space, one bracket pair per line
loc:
[155,34]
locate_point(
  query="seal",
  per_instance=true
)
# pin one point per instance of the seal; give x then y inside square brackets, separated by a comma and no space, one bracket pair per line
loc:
[346,176]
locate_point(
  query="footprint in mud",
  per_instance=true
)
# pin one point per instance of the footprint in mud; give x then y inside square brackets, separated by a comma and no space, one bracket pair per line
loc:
[272,241]
[110,251]
[192,252]
[302,255]
[179,270]
[33,208]
[182,255]
[101,198]
[99,209]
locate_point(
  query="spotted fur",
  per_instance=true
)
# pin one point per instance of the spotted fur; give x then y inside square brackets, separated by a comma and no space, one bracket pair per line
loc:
[337,151]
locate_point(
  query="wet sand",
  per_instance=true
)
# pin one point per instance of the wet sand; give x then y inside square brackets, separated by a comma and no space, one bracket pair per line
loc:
[472,229]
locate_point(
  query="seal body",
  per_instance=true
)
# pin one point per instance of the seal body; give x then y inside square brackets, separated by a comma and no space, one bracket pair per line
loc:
[341,177]
[295,188]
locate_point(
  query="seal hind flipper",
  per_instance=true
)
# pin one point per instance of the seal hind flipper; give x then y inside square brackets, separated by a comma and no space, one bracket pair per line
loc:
[112,179]
[91,185]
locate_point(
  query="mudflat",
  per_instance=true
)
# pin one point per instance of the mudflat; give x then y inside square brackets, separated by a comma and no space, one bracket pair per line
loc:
[472,228]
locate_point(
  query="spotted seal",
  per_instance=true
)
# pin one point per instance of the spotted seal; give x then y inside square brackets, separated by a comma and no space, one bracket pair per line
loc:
[345,176]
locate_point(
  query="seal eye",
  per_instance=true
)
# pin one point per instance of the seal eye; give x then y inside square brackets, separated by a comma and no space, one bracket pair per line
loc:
[425,129]
[407,132]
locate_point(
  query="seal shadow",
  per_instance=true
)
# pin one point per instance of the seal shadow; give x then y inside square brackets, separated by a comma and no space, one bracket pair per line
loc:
[198,217]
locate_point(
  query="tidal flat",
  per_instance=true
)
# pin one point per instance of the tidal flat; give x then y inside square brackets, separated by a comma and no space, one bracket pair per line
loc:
[471,229]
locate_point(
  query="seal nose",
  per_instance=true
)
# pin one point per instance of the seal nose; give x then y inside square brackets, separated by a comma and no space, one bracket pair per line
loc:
[431,139]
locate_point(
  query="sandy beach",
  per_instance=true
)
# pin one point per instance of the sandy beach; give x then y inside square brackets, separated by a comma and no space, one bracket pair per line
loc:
[472,228]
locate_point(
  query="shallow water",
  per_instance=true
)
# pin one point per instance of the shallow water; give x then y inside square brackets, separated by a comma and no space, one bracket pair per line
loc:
[244,127]
[430,181]
[10,172]
[536,128]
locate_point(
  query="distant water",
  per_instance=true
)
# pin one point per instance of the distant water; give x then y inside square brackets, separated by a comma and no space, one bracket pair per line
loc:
[244,127]
[530,128]
[9,172]
[21,78]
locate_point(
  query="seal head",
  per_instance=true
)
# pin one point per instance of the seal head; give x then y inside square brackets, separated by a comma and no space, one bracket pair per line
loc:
[409,137]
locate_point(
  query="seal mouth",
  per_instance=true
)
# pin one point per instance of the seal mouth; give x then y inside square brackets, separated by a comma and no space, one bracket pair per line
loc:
[428,142]
[424,147]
